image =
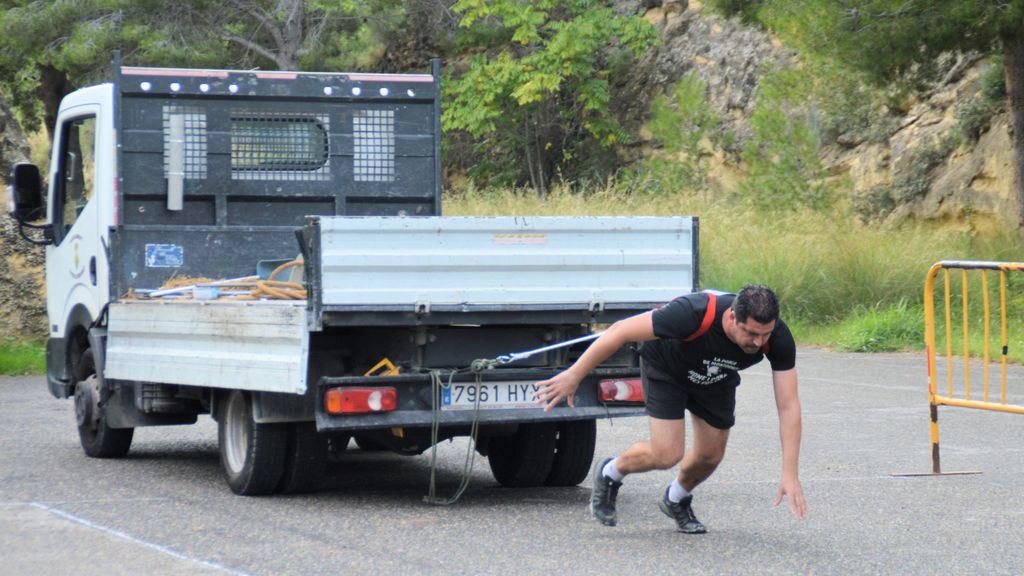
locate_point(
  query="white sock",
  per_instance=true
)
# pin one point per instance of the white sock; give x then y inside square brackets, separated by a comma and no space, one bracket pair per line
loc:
[610,471]
[676,492]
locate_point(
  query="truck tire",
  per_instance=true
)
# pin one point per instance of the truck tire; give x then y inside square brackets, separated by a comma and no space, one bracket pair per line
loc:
[252,455]
[98,440]
[574,452]
[305,459]
[524,458]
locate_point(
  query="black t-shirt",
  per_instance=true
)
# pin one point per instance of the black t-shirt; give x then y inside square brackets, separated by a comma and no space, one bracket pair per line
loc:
[711,359]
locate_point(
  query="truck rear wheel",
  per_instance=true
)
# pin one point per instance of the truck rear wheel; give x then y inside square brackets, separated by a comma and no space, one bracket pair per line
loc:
[251,454]
[305,459]
[524,458]
[98,440]
[574,452]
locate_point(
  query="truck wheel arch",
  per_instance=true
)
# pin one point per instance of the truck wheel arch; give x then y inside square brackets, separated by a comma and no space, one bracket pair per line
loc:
[69,351]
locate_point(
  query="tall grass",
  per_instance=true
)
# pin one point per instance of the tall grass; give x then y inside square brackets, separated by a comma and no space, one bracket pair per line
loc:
[841,282]
[19,357]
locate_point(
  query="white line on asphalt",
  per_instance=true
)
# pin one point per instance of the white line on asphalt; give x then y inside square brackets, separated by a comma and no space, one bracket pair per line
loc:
[894,476]
[130,538]
[899,387]
[98,500]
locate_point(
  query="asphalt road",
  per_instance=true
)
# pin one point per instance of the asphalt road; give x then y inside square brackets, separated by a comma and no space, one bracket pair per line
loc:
[165,509]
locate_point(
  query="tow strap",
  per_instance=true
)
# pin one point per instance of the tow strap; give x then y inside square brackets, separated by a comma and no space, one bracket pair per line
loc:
[439,382]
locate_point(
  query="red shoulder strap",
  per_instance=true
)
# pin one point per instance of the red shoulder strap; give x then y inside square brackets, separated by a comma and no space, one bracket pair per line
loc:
[709,317]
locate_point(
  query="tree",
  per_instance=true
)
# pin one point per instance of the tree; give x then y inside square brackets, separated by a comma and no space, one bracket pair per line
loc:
[308,34]
[891,39]
[540,85]
[49,48]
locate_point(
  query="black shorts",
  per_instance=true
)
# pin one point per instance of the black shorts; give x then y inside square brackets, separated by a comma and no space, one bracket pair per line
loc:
[668,399]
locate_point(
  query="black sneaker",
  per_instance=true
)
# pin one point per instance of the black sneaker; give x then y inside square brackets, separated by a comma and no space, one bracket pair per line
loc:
[682,513]
[602,498]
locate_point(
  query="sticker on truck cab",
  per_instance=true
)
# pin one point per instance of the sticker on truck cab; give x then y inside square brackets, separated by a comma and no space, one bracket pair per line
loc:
[164,256]
[76,257]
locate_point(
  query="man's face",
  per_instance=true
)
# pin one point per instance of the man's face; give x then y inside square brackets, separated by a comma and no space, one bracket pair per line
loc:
[751,335]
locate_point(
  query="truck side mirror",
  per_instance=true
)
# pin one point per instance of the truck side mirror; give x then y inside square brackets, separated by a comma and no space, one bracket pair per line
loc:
[25,193]
[25,202]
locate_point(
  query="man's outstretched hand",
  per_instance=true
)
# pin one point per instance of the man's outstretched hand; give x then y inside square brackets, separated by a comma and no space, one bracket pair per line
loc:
[794,494]
[552,391]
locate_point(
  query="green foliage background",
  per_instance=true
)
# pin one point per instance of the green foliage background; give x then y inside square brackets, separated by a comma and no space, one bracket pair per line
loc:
[538,88]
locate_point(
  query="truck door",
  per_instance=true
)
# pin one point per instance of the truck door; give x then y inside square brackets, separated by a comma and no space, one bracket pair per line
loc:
[73,259]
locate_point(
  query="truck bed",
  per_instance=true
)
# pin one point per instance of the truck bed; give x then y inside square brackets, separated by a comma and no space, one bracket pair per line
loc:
[402,272]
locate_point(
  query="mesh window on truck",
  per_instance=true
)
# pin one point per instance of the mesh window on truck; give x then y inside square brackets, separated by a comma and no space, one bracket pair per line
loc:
[279,146]
[195,140]
[374,158]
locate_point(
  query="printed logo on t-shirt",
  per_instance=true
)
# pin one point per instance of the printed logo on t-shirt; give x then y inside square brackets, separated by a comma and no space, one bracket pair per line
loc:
[715,370]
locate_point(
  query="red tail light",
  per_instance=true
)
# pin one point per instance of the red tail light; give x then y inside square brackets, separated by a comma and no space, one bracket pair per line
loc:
[626,390]
[360,400]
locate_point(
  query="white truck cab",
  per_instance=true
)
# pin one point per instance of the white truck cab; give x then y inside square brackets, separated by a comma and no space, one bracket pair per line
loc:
[81,202]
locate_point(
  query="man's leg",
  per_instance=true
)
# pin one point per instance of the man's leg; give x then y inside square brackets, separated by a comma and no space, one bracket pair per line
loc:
[705,455]
[698,464]
[662,451]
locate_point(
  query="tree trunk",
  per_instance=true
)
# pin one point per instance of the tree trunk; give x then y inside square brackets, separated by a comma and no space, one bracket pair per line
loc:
[293,32]
[13,144]
[284,26]
[1014,64]
[53,87]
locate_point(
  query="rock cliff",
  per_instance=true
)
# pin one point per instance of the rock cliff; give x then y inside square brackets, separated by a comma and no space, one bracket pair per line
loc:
[923,169]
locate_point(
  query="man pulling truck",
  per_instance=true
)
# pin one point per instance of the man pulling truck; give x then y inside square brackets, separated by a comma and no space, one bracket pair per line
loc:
[693,349]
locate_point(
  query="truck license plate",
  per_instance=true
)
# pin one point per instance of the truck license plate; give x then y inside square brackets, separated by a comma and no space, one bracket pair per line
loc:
[463,395]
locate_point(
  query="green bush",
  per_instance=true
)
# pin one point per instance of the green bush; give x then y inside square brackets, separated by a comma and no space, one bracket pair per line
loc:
[680,122]
[784,169]
[851,110]
[975,114]
[883,329]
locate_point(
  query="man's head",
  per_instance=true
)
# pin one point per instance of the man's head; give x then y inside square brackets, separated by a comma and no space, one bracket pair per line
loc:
[758,302]
[750,320]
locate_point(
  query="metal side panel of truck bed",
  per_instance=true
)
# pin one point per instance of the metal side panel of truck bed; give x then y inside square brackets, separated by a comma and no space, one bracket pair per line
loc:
[260,346]
[457,266]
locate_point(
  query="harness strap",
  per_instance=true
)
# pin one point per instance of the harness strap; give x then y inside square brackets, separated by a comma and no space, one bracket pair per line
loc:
[709,318]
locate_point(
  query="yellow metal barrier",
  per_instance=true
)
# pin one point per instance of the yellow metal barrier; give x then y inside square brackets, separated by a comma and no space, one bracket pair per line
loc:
[936,399]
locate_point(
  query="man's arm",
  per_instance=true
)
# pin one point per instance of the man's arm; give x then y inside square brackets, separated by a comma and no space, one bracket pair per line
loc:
[787,401]
[563,385]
